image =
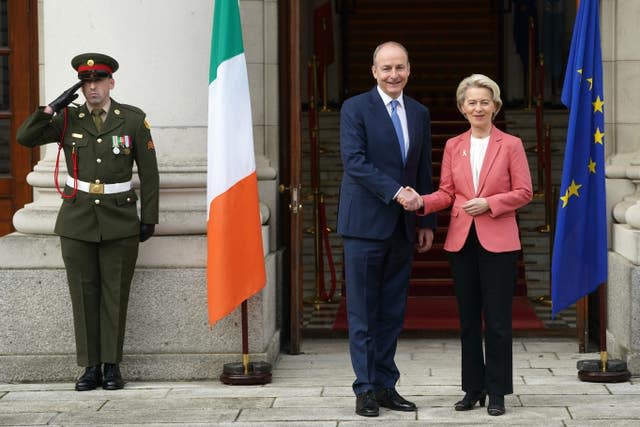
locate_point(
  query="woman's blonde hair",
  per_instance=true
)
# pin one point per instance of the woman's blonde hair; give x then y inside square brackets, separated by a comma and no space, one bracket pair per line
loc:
[480,81]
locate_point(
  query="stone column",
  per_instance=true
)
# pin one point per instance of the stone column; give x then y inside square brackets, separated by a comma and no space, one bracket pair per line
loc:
[621,56]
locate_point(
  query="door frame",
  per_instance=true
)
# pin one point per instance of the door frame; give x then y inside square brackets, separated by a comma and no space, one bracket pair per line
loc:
[291,173]
[22,51]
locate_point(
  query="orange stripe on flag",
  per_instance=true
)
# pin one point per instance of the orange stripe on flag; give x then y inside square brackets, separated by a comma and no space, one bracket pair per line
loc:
[235,259]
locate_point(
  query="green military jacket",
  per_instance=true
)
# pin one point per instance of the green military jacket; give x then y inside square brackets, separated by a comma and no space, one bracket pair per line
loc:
[94,217]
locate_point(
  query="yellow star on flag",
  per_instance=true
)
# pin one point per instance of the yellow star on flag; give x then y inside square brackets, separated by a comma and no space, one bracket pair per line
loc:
[590,80]
[598,136]
[565,198]
[597,105]
[592,166]
[573,189]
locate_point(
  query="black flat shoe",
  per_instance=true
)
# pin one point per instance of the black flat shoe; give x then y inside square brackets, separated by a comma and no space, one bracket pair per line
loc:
[112,377]
[90,379]
[496,405]
[469,400]
[389,398]
[367,405]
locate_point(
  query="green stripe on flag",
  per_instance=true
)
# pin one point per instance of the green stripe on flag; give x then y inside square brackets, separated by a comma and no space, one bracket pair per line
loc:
[226,37]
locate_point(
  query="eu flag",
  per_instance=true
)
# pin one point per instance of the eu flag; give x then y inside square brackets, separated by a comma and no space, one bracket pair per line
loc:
[579,262]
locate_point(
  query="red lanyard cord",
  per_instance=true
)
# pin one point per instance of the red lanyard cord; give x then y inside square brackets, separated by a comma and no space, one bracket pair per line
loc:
[74,157]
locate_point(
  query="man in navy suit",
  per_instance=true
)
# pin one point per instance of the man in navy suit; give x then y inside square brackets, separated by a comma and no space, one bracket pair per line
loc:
[385,144]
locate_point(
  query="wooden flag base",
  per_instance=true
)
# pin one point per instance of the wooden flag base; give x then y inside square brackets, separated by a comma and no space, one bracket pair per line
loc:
[257,373]
[591,371]
[245,372]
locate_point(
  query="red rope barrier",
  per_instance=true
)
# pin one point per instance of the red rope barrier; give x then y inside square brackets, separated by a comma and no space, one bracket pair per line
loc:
[325,237]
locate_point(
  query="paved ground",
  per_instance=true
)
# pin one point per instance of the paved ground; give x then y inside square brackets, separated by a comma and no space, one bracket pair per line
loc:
[314,389]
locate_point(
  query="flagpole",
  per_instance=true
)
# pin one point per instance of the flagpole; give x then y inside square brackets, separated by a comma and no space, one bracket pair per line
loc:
[246,372]
[604,370]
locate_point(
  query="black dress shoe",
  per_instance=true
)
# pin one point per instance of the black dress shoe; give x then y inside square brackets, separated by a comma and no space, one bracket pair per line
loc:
[389,398]
[469,400]
[367,405]
[112,377]
[496,405]
[90,379]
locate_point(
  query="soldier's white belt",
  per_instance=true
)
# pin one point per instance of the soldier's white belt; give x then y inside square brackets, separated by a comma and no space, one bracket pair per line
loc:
[99,188]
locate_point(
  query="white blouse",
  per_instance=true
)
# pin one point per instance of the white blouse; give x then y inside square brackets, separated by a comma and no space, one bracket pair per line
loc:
[477,152]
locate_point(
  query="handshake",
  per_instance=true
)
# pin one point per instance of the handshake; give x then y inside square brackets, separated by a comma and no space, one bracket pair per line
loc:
[410,199]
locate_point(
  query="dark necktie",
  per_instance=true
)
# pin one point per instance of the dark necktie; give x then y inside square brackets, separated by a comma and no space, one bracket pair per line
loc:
[97,119]
[398,127]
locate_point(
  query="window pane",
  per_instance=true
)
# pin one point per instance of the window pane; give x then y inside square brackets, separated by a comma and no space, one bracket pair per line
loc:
[4,146]
[4,83]
[4,30]
[5,165]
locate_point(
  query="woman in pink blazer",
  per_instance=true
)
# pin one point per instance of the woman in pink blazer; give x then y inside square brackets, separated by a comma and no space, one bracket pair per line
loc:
[485,177]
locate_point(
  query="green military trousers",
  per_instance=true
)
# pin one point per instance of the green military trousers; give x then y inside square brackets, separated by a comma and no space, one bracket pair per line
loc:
[99,276]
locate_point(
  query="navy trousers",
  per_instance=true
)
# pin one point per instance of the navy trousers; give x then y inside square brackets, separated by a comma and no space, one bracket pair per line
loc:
[377,281]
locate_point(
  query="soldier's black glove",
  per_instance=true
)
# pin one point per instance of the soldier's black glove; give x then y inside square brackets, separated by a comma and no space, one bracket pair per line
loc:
[66,97]
[146,231]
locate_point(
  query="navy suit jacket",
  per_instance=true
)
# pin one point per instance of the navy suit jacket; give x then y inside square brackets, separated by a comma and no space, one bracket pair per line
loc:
[374,170]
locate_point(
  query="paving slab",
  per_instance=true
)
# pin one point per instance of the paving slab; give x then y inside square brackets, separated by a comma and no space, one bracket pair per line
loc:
[246,391]
[318,414]
[29,419]
[211,416]
[36,406]
[190,403]
[611,410]
[97,394]
[480,415]
[602,423]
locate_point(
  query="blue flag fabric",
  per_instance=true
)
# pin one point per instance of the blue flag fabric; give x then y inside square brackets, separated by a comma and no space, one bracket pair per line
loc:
[579,262]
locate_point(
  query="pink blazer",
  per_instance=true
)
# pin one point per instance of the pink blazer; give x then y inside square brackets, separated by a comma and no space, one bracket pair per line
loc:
[505,182]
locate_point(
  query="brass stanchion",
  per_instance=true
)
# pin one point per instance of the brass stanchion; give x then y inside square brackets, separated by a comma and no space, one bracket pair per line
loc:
[320,296]
[325,90]
[546,192]
[551,198]
[530,66]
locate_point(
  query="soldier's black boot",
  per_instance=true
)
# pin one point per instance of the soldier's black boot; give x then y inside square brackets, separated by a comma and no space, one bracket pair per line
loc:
[90,379]
[112,377]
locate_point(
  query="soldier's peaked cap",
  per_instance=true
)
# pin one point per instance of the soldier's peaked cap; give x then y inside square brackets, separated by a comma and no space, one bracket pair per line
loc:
[94,65]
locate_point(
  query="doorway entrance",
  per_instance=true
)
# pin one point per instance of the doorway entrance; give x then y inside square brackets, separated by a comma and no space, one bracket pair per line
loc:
[447,41]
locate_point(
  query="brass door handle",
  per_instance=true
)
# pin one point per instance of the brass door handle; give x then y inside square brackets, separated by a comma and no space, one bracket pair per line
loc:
[296,191]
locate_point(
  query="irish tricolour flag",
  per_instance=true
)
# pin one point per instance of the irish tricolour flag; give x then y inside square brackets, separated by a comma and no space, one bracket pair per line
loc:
[235,260]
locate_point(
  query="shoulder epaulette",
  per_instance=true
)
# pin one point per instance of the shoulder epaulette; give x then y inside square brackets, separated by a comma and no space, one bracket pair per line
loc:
[132,108]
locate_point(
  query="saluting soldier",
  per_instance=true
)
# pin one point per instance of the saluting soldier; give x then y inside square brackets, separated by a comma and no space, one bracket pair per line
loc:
[98,221]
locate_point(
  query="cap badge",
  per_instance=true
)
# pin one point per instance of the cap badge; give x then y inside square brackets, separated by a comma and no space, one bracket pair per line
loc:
[90,63]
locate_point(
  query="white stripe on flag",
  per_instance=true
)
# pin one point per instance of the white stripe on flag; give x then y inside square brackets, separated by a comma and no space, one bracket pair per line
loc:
[230,133]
